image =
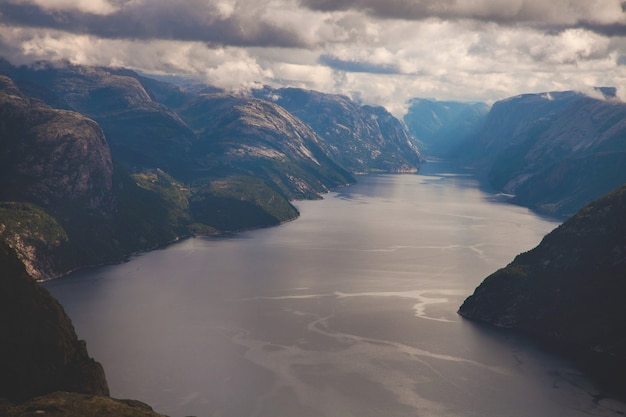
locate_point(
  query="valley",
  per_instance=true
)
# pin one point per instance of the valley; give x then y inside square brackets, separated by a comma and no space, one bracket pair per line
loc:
[99,165]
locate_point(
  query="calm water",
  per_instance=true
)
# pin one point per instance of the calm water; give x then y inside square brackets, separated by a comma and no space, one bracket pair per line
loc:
[348,311]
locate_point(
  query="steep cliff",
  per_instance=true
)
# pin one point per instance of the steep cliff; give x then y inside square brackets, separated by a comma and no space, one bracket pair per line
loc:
[63,202]
[53,163]
[247,136]
[555,152]
[39,350]
[360,138]
[44,368]
[570,289]
[141,132]
[51,156]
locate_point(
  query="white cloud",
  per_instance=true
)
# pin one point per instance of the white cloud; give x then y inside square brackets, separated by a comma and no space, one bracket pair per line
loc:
[351,51]
[100,7]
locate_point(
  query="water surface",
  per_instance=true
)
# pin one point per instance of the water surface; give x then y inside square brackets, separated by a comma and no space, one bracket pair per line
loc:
[348,311]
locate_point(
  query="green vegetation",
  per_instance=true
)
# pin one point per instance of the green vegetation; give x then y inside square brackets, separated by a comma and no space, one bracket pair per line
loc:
[240,202]
[173,195]
[69,404]
[27,218]
[41,240]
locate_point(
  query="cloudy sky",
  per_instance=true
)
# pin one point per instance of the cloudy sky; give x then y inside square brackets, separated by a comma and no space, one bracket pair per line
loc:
[380,51]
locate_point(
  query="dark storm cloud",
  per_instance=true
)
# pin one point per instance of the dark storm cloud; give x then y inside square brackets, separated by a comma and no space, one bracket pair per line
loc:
[357,66]
[556,15]
[172,22]
[614,29]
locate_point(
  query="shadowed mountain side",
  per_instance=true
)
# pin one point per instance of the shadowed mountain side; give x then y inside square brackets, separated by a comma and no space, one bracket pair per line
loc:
[39,350]
[51,156]
[64,203]
[555,151]
[441,126]
[569,290]
[237,203]
[44,368]
[141,132]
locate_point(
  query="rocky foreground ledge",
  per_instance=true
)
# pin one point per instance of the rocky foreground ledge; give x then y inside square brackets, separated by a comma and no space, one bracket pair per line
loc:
[569,291]
[71,404]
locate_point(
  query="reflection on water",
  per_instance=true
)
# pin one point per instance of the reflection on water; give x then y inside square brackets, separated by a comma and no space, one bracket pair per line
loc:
[348,311]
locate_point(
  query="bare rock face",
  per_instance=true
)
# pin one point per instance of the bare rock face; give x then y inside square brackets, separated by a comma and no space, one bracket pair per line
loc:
[569,290]
[360,138]
[55,167]
[39,350]
[248,136]
[141,132]
[51,156]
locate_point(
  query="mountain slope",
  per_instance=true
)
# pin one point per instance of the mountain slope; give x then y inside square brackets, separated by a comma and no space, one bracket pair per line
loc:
[360,138]
[569,290]
[51,156]
[63,202]
[441,126]
[145,134]
[39,350]
[141,131]
[44,368]
[246,136]
[555,151]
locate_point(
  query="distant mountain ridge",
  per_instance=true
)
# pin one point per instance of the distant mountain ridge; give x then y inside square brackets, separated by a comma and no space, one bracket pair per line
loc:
[360,138]
[441,126]
[555,151]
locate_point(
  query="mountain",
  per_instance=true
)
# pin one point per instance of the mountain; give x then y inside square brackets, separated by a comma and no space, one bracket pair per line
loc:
[67,201]
[59,162]
[64,203]
[141,132]
[44,368]
[248,136]
[146,125]
[359,138]
[51,156]
[568,290]
[40,352]
[555,152]
[441,126]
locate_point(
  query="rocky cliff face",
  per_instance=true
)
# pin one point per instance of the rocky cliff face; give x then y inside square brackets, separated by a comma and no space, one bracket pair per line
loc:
[141,132]
[144,128]
[555,151]
[39,350]
[44,368]
[569,290]
[50,156]
[247,136]
[360,138]
[58,161]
